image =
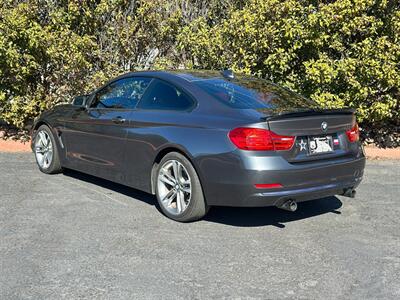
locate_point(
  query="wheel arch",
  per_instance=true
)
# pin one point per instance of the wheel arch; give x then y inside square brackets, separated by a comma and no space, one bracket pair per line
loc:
[35,127]
[55,132]
[40,123]
[160,156]
[55,165]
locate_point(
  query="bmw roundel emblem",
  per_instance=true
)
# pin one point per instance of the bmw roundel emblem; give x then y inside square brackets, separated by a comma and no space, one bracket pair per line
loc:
[324,126]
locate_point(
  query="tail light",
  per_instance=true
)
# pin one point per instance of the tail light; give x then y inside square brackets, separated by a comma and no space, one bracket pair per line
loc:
[353,134]
[258,139]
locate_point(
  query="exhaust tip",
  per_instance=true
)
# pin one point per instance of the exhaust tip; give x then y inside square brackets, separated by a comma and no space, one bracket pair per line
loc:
[351,193]
[289,205]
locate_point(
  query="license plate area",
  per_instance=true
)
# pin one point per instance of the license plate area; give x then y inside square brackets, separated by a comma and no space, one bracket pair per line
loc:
[320,144]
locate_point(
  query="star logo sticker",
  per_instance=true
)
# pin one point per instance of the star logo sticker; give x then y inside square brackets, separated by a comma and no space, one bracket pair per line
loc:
[303,145]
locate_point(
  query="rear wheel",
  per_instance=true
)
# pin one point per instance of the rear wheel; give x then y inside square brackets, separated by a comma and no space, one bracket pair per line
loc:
[178,189]
[45,150]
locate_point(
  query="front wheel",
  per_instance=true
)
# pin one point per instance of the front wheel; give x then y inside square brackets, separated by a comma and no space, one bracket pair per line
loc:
[45,150]
[178,189]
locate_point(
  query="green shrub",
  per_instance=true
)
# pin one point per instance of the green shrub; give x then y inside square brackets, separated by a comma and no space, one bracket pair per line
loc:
[41,63]
[51,51]
[340,53]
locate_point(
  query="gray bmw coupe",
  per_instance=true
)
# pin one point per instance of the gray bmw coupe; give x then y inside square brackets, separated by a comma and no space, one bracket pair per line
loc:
[201,138]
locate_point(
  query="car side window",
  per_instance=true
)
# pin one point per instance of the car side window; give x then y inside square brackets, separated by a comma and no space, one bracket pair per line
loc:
[123,93]
[164,96]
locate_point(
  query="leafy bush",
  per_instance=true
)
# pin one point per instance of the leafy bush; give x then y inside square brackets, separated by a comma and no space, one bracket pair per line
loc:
[51,51]
[340,53]
[42,60]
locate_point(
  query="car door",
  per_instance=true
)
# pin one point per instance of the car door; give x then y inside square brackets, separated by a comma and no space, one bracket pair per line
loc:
[159,115]
[95,136]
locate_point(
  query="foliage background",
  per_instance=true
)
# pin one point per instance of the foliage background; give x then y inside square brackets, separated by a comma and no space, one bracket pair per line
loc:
[340,53]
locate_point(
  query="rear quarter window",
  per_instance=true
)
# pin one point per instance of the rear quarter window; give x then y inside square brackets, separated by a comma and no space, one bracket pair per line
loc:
[162,95]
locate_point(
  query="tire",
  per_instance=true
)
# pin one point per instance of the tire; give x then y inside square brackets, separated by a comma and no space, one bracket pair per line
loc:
[194,204]
[46,164]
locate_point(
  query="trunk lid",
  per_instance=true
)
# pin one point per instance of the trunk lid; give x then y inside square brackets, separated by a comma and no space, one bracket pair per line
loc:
[310,122]
[320,134]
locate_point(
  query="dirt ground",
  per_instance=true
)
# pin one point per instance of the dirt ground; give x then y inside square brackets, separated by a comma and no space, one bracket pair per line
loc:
[379,153]
[14,146]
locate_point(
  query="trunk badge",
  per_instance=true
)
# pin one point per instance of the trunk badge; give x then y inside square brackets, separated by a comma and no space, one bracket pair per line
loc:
[324,126]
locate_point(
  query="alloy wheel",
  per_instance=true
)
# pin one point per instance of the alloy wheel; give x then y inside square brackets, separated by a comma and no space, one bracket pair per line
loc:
[43,149]
[174,187]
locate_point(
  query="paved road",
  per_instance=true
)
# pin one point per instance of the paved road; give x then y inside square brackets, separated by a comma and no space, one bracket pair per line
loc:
[74,236]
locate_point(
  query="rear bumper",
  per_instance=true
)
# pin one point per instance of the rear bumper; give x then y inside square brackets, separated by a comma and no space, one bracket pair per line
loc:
[232,184]
[299,195]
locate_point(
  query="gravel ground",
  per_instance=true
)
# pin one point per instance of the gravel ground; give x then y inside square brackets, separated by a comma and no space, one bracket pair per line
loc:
[74,236]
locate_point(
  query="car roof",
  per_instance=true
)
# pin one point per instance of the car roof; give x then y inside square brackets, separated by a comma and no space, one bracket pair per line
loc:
[188,75]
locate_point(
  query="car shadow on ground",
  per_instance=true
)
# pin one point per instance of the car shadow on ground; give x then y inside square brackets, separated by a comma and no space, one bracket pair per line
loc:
[264,216]
[118,188]
[233,216]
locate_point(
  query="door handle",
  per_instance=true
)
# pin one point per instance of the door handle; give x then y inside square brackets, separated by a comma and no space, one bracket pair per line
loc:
[118,120]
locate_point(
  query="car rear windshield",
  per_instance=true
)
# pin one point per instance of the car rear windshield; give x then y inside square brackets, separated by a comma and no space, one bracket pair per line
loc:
[252,93]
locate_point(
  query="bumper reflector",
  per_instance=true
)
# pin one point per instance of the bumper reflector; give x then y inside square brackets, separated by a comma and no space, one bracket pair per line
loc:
[268,186]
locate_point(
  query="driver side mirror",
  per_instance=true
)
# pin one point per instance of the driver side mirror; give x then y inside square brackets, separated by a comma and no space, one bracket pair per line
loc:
[80,100]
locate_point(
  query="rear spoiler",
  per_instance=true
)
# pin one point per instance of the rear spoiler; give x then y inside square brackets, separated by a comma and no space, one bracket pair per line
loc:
[311,112]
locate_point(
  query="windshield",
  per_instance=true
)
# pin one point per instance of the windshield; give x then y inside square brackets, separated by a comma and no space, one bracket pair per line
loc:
[252,93]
